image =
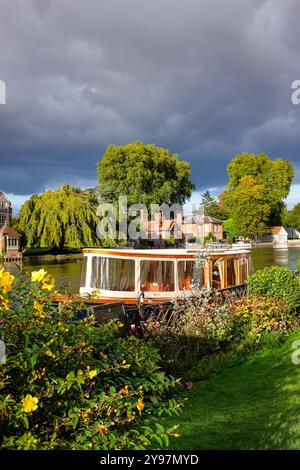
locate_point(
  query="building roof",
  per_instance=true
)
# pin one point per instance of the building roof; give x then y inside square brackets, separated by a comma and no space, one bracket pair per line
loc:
[276,230]
[200,219]
[10,232]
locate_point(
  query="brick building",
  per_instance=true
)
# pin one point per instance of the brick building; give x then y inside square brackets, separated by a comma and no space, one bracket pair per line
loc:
[182,227]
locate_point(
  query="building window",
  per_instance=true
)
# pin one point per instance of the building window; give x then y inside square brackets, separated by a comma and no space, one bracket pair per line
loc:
[157,276]
[2,219]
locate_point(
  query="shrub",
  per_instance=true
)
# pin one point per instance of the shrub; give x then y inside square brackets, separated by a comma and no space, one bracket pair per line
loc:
[72,384]
[210,238]
[276,282]
[170,241]
[203,325]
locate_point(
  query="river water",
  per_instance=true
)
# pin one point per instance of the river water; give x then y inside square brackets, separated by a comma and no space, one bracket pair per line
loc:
[286,257]
[67,273]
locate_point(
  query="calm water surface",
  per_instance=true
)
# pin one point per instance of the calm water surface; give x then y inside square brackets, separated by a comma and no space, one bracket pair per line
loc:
[286,257]
[67,273]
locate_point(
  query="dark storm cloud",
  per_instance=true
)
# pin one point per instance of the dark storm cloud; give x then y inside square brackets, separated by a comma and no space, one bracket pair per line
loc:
[207,79]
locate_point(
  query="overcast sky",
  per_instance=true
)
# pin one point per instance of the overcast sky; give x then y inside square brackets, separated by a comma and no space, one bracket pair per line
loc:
[205,78]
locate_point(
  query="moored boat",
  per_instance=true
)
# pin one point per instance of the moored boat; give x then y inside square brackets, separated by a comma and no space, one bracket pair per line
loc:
[160,275]
[243,243]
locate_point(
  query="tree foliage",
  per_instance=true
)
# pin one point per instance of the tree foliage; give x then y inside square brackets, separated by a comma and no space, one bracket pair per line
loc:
[277,175]
[248,207]
[267,181]
[212,206]
[62,218]
[229,230]
[146,174]
[293,217]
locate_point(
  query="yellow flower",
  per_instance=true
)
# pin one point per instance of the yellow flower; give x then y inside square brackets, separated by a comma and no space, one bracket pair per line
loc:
[38,276]
[92,373]
[48,282]
[140,405]
[6,281]
[50,354]
[102,430]
[29,403]
[4,303]
[95,293]
[38,307]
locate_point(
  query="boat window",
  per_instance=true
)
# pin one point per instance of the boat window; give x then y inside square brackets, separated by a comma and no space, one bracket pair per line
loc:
[243,264]
[188,273]
[217,274]
[157,276]
[113,274]
[231,273]
[83,272]
[251,268]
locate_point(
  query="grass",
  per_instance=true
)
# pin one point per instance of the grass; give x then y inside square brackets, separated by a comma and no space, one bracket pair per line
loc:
[253,406]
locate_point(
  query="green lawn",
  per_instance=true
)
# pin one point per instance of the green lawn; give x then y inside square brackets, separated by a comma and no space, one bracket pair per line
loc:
[252,406]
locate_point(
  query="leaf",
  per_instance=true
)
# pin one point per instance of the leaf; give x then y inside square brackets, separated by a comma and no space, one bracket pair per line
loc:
[25,421]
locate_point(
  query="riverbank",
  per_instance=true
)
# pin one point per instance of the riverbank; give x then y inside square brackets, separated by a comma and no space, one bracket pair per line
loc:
[290,243]
[51,254]
[53,257]
[295,243]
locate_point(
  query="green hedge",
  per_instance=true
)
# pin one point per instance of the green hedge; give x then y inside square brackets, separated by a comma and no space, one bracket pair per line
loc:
[276,282]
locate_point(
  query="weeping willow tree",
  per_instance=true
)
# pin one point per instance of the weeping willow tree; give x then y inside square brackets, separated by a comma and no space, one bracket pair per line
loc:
[65,218]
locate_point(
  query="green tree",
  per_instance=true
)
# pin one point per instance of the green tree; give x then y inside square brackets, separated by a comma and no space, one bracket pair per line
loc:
[275,175]
[65,218]
[146,174]
[212,206]
[229,230]
[248,208]
[293,217]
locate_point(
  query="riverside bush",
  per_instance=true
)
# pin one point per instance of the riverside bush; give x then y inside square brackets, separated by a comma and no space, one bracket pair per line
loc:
[277,282]
[72,384]
[204,325]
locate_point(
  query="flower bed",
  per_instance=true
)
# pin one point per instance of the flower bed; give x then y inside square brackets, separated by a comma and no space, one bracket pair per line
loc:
[203,326]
